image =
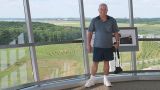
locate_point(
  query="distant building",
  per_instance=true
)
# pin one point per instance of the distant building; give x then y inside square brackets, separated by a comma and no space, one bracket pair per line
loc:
[140,36]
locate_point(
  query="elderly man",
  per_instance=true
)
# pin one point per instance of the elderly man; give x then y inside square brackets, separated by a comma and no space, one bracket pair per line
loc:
[103,26]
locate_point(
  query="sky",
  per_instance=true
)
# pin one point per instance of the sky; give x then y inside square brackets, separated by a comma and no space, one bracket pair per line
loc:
[70,8]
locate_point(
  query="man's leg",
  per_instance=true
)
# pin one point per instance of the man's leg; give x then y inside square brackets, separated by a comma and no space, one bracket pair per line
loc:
[106,68]
[106,72]
[94,68]
[91,81]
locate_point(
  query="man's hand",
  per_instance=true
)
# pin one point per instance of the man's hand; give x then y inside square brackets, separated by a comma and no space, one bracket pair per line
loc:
[117,35]
[89,48]
[116,45]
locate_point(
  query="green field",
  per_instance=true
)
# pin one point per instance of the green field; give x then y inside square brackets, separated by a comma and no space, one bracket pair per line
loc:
[60,60]
[55,57]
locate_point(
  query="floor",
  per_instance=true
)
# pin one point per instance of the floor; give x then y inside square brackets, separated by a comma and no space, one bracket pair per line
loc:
[129,85]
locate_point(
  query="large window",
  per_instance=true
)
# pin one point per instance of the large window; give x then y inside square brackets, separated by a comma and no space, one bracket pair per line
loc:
[57,22]
[57,32]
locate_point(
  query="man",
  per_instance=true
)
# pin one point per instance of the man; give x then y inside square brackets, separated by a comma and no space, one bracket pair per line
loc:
[103,26]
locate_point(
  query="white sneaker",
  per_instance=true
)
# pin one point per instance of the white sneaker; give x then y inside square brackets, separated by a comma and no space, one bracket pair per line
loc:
[106,81]
[90,82]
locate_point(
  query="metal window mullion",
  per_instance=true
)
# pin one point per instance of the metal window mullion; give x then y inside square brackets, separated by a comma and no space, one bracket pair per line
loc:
[31,40]
[131,19]
[131,23]
[82,21]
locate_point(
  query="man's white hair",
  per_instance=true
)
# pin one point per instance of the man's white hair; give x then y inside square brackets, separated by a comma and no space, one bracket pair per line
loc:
[103,4]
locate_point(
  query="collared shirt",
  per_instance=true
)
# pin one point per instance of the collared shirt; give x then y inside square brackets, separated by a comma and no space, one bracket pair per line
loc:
[103,31]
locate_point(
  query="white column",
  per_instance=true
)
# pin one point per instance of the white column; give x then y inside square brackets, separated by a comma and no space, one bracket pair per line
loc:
[84,38]
[131,22]
[31,40]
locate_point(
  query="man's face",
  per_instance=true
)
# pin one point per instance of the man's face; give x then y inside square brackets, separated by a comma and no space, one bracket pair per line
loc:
[102,10]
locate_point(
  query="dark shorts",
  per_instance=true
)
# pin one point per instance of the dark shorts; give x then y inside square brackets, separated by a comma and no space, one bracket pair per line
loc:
[101,54]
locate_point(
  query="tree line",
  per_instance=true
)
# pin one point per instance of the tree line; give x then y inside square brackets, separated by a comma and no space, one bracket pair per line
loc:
[140,20]
[43,32]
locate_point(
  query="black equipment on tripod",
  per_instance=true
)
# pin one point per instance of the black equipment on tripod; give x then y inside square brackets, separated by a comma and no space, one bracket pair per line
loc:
[118,69]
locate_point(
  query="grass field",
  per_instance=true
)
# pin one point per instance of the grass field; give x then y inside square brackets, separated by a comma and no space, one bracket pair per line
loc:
[59,60]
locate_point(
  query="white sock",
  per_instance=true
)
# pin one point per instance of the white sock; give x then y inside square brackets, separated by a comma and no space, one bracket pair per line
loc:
[92,77]
[105,77]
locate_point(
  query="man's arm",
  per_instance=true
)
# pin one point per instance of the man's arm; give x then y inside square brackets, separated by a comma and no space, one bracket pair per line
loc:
[89,38]
[91,29]
[117,39]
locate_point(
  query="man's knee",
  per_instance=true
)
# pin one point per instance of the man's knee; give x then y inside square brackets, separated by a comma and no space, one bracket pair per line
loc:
[95,63]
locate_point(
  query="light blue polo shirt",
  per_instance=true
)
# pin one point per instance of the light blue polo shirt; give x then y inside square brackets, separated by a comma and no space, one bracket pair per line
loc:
[103,31]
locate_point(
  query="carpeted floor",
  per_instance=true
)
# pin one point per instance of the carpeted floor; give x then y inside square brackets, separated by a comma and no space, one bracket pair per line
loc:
[129,85]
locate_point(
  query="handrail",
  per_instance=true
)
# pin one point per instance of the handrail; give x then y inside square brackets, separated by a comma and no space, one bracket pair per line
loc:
[62,42]
[38,44]
[148,39]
